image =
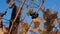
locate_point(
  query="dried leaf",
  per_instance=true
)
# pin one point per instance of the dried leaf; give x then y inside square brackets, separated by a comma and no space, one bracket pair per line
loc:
[28,12]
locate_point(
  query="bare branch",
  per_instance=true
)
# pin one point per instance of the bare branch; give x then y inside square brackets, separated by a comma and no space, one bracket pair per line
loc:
[16,16]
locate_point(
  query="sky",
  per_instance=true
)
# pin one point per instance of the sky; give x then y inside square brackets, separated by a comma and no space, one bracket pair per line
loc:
[48,4]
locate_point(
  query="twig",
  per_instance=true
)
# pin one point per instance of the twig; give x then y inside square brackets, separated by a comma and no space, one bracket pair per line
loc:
[40,6]
[16,16]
